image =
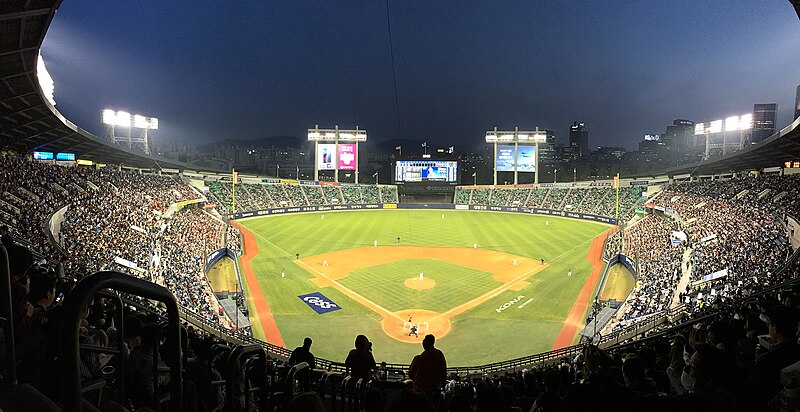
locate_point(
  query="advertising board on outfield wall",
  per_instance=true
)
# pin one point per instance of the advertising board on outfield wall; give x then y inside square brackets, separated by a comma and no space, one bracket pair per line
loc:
[510,209]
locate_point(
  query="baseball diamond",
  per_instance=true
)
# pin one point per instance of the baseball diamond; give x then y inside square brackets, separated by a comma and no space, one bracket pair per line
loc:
[434,276]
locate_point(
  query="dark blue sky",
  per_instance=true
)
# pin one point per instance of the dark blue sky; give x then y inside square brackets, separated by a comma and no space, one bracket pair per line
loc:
[210,71]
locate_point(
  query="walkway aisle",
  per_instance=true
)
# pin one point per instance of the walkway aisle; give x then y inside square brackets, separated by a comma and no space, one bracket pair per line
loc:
[686,276]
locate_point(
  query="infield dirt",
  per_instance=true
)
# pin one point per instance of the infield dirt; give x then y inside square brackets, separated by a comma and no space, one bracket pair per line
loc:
[342,262]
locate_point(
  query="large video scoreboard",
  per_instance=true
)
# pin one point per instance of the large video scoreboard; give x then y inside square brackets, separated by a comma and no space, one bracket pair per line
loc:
[426,171]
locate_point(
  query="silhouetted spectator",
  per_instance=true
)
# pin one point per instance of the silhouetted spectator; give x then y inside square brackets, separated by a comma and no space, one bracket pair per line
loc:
[765,379]
[303,354]
[428,370]
[360,361]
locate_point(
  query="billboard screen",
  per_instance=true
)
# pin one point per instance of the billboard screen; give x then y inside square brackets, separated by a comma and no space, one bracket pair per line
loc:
[347,156]
[65,156]
[423,171]
[526,158]
[326,156]
[42,155]
[505,158]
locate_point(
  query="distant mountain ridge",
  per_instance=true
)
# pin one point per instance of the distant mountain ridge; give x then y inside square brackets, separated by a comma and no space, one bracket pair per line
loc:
[262,142]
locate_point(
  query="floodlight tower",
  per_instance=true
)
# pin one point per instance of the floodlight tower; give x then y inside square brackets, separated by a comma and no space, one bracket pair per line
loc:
[126,120]
[336,156]
[742,124]
[517,137]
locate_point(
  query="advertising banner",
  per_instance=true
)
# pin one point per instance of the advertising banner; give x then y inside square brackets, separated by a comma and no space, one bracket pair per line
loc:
[536,211]
[326,156]
[347,156]
[526,157]
[505,158]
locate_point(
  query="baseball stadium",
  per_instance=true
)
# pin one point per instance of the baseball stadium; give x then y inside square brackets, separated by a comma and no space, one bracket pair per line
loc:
[149,283]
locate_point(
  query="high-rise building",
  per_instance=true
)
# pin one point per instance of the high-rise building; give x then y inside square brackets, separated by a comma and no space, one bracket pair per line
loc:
[547,150]
[579,139]
[763,121]
[679,135]
[797,103]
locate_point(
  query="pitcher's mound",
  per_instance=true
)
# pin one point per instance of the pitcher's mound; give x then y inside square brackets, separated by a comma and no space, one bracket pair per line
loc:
[415,283]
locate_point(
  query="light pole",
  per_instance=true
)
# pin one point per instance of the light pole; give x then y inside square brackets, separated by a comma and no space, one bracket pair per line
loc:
[555,175]
[575,174]
[278,171]
[298,172]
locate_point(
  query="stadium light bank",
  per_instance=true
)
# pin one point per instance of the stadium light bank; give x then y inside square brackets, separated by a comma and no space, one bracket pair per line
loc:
[517,137]
[742,124]
[115,119]
[336,156]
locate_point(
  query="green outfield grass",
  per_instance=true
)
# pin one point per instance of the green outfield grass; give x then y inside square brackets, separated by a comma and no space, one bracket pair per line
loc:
[479,335]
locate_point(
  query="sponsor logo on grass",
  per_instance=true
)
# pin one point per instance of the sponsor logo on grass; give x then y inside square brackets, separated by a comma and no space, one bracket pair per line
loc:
[319,303]
[510,303]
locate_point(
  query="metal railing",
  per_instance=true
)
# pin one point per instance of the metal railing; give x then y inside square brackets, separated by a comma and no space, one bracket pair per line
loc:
[7,320]
[69,330]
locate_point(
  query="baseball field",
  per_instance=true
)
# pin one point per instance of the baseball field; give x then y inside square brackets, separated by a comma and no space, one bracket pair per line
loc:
[490,286]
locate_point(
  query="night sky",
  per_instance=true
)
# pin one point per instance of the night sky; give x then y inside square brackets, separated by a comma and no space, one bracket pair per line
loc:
[211,71]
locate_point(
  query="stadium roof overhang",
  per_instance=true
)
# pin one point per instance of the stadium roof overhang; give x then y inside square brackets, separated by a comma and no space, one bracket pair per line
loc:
[27,119]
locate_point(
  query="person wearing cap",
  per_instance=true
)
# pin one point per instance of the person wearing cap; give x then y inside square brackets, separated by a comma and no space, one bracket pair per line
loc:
[765,379]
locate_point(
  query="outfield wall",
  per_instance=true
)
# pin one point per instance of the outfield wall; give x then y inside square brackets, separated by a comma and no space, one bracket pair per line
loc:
[441,206]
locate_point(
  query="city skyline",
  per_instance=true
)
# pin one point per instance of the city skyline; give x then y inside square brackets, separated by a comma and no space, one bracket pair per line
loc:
[279,69]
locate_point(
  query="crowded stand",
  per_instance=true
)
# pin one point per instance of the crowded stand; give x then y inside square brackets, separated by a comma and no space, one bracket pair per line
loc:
[500,197]
[278,195]
[535,197]
[614,245]
[728,354]
[573,199]
[599,201]
[370,194]
[479,196]
[735,230]
[332,195]
[717,361]
[388,194]
[462,197]
[314,195]
[659,269]
[351,195]
[296,195]
[250,196]
[555,197]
